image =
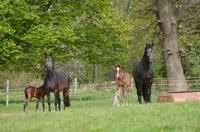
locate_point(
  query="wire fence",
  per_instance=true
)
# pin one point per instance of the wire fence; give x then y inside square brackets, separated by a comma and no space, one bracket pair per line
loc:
[159,85]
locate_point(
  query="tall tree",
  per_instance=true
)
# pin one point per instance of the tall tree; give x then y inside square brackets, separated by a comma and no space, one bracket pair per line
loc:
[164,22]
[170,13]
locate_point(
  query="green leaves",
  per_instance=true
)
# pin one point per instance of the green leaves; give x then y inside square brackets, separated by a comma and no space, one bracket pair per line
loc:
[90,31]
[9,51]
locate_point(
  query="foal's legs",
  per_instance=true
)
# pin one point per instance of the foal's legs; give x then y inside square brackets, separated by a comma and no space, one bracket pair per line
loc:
[26,103]
[37,104]
[128,94]
[126,99]
[123,89]
[116,98]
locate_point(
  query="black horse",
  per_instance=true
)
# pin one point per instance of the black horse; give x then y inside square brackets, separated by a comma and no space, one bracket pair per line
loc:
[56,81]
[143,73]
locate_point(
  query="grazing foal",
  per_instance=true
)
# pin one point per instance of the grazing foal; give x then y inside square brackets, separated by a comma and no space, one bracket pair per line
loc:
[124,88]
[31,92]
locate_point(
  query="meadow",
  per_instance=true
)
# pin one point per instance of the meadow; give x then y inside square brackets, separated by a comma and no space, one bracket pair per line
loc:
[92,111]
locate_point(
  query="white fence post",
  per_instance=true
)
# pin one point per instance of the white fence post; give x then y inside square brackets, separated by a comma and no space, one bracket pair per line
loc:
[75,85]
[7,91]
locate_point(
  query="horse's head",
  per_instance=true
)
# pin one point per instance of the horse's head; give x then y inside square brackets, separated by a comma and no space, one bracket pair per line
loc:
[49,64]
[149,52]
[117,69]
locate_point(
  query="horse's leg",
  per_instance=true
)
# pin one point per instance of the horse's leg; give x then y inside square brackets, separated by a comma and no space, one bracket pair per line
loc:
[25,105]
[43,106]
[130,93]
[149,92]
[56,100]
[116,98]
[126,99]
[28,100]
[149,96]
[127,95]
[138,85]
[49,101]
[124,95]
[37,105]
[144,91]
[66,98]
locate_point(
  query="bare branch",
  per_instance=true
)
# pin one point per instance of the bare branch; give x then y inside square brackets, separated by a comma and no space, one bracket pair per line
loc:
[128,7]
[182,8]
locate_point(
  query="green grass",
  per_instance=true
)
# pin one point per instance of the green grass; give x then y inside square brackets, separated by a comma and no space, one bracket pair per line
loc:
[93,111]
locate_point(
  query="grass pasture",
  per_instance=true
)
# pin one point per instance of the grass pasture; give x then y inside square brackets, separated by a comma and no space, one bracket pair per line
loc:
[93,111]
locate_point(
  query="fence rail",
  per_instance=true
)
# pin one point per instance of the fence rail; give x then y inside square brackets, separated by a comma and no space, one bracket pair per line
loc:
[160,84]
[193,83]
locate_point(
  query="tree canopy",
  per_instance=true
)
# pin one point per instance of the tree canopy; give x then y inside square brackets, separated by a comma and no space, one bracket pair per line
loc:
[85,30]
[92,31]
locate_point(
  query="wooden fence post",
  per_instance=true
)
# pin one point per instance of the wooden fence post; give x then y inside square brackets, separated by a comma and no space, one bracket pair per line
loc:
[7,91]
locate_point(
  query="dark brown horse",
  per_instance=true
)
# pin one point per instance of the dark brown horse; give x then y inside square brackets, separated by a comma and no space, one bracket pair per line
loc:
[31,92]
[143,73]
[56,81]
[124,87]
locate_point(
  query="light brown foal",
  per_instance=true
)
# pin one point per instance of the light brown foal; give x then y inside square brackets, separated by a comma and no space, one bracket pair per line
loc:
[124,85]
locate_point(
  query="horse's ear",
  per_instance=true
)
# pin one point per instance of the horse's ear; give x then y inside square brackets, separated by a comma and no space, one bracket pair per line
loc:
[152,44]
[114,67]
[118,65]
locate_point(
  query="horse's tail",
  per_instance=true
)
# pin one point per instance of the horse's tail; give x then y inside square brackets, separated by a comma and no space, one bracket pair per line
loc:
[67,101]
[25,93]
[26,99]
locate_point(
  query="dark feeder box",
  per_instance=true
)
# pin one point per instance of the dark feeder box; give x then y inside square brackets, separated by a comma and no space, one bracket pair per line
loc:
[181,96]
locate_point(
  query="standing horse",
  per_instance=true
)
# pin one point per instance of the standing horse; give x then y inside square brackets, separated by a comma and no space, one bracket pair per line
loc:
[143,73]
[123,81]
[56,81]
[31,92]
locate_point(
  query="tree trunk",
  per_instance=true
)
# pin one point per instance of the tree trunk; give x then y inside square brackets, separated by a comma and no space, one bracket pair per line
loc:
[175,76]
